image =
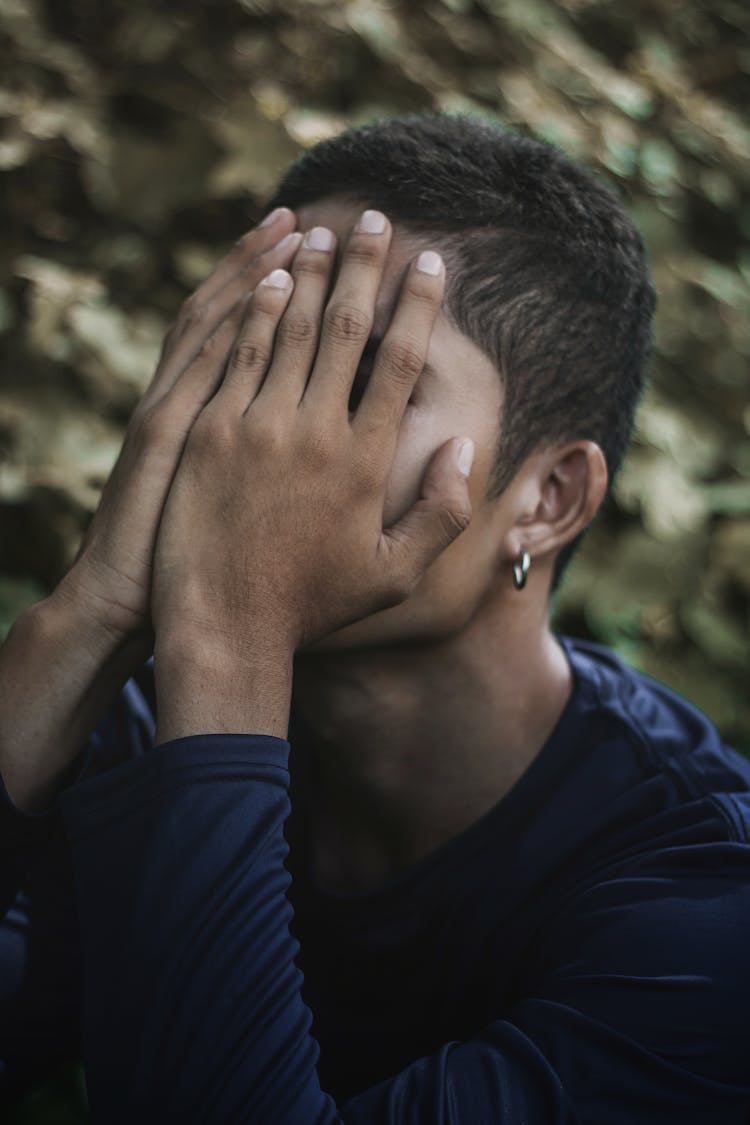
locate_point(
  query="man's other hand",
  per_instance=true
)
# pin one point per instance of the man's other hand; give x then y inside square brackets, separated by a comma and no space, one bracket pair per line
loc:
[111,577]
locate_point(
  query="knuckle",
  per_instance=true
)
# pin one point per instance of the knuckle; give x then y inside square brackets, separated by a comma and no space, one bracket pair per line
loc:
[156,431]
[296,330]
[267,436]
[211,433]
[453,522]
[186,308]
[207,350]
[194,317]
[146,424]
[367,251]
[312,264]
[249,355]
[423,289]
[402,359]
[347,323]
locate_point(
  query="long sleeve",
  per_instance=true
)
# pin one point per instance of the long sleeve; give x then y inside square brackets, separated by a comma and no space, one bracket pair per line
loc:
[191,1001]
[39,956]
[39,1023]
[192,1004]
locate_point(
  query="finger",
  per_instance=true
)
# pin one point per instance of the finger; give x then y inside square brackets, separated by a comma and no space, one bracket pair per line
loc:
[151,459]
[253,243]
[253,347]
[442,512]
[198,316]
[299,330]
[201,321]
[348,318]
[402,353]
[203,376]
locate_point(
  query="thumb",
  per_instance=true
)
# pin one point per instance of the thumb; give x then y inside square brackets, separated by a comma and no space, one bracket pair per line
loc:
[442,512]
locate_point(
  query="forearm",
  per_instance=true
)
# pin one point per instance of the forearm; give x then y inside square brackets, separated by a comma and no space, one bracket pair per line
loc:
[59,671]
[191,996]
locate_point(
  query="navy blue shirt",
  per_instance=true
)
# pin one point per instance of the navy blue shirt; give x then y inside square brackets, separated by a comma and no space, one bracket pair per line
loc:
[579,954]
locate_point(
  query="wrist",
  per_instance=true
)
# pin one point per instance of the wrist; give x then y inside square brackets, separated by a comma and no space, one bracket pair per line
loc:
[83,596]
[84,646]
[69,615]
[211,683]
[59,671]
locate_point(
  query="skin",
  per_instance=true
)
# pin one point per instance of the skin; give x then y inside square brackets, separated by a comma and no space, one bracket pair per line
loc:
[426,712]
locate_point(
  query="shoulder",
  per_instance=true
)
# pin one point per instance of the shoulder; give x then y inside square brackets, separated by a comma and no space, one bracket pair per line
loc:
[667,734]
[650,937]
[654,946]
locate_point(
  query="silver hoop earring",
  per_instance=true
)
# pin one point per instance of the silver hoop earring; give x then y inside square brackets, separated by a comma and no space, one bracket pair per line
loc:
[521,569]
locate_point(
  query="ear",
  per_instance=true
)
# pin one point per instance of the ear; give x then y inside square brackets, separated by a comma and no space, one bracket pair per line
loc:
[559,491]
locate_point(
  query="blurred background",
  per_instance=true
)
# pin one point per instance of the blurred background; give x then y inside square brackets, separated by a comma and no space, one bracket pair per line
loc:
[138,139]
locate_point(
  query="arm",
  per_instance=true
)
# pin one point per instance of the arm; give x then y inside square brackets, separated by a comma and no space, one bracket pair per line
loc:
[60,669]
[193,1009]
[192,1005]
[39,956]
[65,659]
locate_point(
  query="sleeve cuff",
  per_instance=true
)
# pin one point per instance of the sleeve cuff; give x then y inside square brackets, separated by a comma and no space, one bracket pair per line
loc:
[182,762]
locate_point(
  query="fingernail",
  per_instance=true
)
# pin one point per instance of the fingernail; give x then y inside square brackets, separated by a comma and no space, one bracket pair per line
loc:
[277,279]
[272,216]
[371,222]
[429,262]
[319,238]
[465,457]
[288,239]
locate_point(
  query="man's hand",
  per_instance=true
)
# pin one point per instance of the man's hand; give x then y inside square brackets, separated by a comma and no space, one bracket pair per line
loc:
[67,657]
[111,577]
[272,533]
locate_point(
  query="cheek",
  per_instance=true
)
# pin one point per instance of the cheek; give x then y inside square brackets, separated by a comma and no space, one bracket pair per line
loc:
[424,429]
[418,438]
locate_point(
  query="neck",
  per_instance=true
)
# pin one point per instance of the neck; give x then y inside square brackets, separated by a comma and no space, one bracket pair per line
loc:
[413,744]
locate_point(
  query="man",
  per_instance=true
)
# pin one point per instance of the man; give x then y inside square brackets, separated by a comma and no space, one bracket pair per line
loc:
[517,876]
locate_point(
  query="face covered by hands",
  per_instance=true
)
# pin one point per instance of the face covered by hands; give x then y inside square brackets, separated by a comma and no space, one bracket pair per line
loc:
[273,534]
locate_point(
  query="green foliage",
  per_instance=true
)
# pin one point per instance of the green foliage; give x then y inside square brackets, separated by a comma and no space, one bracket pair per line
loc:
[139,140]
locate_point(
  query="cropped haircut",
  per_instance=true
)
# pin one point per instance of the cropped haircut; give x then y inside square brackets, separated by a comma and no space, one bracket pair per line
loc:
[546,272]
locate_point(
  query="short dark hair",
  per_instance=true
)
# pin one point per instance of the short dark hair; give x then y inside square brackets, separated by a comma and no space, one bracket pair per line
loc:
[547,273]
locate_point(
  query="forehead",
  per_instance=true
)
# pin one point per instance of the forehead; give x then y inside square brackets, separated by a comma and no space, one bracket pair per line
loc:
[450,352]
